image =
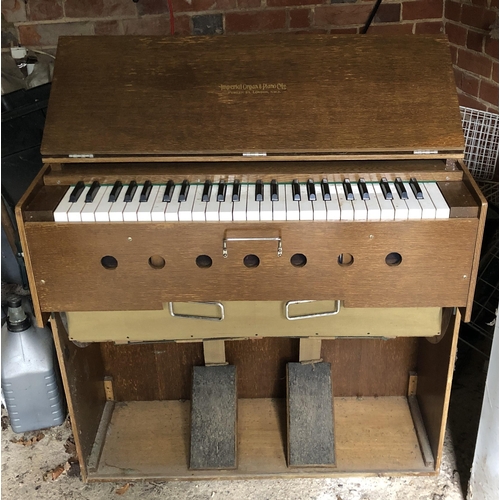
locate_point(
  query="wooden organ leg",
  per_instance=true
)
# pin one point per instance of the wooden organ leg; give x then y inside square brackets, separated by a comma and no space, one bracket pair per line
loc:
[311,438]
[213,411]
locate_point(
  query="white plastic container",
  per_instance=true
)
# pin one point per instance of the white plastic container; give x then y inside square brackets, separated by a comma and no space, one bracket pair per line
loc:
[30,381]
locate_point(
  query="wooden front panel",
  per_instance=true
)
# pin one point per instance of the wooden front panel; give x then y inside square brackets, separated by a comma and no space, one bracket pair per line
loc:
[283,94]
[68,274]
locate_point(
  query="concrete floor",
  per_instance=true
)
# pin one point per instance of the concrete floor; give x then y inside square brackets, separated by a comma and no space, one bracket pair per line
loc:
[26,474]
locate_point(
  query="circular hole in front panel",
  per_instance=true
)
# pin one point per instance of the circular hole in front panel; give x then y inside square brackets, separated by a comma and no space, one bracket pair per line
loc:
[204,261]
[156,262]
[345,259]
[251,260]
[298,260]
[109,262]
[393,259]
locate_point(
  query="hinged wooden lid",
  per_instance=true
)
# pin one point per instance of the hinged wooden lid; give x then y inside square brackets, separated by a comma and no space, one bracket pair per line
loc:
[300,96]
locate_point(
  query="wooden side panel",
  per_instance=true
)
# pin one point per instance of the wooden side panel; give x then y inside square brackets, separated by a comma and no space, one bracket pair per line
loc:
[82,373]
[481,201]
[160,371]
[69,276]
[435,372]
[30,193]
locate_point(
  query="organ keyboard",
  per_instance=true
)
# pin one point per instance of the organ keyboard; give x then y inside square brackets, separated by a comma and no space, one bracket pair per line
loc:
[294,193]
[234,201]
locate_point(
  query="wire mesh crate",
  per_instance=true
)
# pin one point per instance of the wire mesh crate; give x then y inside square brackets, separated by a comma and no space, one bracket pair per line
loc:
[481,142]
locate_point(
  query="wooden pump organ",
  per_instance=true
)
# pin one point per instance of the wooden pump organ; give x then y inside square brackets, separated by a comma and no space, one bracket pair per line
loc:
[255,252]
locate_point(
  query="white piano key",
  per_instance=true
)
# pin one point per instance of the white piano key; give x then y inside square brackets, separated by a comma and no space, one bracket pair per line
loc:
[74,213]
[279,207]
[292,207]
[414,208]
[240,207]
[400,206]
[346,208]
[253,207]
[266,206]
[131,208]
[386,206]
[89,209]
[213,206]
[61,211]
[145,212]
[117,207]
[172,210]
[159,206]
[305,206]
[226,207]
[359,205]
[319,206]
[372,205]
[332,206]
[101,213]
[442,208]
[199,207]
[186,207]
[428,208]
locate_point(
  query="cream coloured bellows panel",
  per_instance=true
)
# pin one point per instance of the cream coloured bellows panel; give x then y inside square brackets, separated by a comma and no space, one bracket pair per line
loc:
[247,319]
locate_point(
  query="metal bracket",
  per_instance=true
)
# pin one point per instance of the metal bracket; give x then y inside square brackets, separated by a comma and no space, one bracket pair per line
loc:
[309,316]
[276,238]
[194,316]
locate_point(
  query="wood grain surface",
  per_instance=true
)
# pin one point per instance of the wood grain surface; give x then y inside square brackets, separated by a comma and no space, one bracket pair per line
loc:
[69,276]
[108,173]
[276,94]
[150,371]
[82,374]
[150,440]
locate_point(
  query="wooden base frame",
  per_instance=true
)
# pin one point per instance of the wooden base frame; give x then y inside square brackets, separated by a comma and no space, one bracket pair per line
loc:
[144,432]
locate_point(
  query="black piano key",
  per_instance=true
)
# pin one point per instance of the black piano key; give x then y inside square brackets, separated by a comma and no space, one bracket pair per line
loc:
[274,190]
[115,192]
[221,191]
[325,190]
[94,188]
[184,190]
[363,191]
[348,190]
[236,191]
[207,189]
[400,188]
[311,190]
[296,190]
[259,191]
[129,194]
[386,190]
[416,189]
[146,191]
[77,192]
[169,191]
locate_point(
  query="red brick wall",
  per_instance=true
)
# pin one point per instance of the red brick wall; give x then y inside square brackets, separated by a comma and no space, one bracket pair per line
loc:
[468,24]
[38,24]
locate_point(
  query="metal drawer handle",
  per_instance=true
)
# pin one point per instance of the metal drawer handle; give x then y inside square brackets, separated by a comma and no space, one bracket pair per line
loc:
[276,238]
[194,316]
[308,316]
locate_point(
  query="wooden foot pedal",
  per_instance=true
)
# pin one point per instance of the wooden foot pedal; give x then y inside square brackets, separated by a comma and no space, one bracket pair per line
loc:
[311,441]
[213,418]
